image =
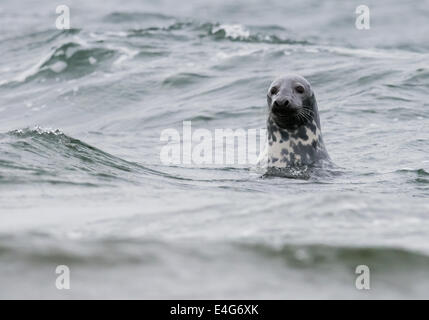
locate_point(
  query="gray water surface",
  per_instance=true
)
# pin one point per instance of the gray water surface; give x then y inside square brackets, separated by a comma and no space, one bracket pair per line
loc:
[82,184]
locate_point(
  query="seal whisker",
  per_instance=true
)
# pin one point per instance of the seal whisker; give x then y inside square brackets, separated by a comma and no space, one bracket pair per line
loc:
[305,115]
[300,116]
[308,110]
[308,114]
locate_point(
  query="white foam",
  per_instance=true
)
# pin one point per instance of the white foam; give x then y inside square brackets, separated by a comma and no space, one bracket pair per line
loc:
[58,66]
[127,54]
[232,31]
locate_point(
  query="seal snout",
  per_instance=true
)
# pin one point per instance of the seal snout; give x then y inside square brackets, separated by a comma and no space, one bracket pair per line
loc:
[283,106]
[279,103]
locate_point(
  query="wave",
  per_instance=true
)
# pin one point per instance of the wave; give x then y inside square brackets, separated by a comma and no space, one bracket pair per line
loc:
[47,247]
[219,31]
[237,32]
[183,79]
[40,155]
[73,58]
[316,255]
[418,176]
[50,156]
[76,53]
[173,269]
[418,172]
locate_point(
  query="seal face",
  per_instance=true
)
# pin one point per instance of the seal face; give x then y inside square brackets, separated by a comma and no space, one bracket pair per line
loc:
[293,125]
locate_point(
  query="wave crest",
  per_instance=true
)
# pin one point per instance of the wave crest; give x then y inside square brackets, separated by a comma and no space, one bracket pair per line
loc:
[50,156]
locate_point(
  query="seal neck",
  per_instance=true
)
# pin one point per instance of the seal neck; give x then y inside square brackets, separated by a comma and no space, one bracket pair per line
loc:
[300,131]
[301,145]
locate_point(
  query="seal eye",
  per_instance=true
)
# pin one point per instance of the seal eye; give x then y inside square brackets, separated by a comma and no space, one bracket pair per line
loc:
[299,89]
[274,90]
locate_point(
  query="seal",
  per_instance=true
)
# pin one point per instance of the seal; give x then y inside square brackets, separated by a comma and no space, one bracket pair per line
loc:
[293,125]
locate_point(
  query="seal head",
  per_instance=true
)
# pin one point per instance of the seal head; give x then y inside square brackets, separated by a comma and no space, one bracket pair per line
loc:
[293,126]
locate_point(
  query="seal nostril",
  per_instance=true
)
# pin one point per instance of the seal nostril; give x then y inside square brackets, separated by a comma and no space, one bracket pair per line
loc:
[280,104]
